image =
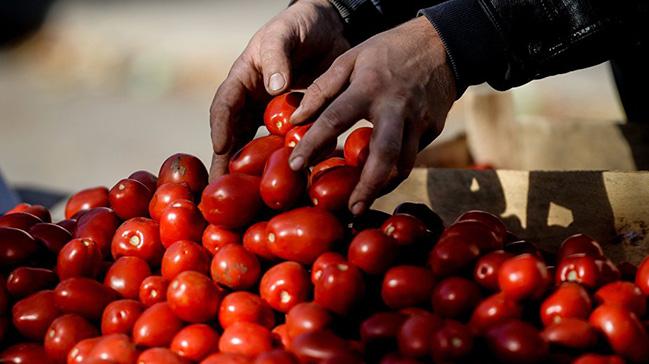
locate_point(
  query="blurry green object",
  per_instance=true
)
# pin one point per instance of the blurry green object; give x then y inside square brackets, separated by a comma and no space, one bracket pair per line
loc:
[21,18]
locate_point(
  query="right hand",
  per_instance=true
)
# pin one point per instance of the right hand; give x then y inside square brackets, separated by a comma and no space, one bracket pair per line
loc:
[303,40]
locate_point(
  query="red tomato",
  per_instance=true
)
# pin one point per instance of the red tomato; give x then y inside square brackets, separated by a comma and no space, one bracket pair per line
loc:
[296,134]
[455,297]
[280,186]
[382,326]
[24,353]
[51,236]
[487,267]
[153,290]
[120,316]
[580,244]
[405,229]
[193,297]
[34,314]
[318,346]
[452,256]
[255,240]
[332,188]
[421,211]
[246,338]
[16,246]
[98,224]
[579,268]
[138,237]
[372,251]
[19,220]
[126,275]
[325,165]
[307,317]
[492,221]
[642,276]
[159,356]
[235,267]
[279,110]
[405,286]
[182,256]
[494,309]
[453,342]
[277,356]
[285,285]
[157,326]
[114,349]
[39,211]
[232,200]
[85,200]
[63,334]
[623,331]
[80,352]
[252,158]
[625,294]
[245,306]
[184,168]
[79,258]
[415,334]
[146,178]
[195,342]
[303,234]
[226,358]
[571,333]
[341,288]
[570,300]
[524,277]
[214,237]
[598,359]
[321,262]
[181,220]
[280,336]
[130,198]
[474,232]
[165,195]
[515,342]
[83,296]
[24,281]
[357,146]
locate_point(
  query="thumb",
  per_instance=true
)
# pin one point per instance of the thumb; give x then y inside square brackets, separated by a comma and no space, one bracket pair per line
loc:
[275,62]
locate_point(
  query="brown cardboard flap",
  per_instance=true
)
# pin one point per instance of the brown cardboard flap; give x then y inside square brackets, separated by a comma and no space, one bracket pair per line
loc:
[542,206]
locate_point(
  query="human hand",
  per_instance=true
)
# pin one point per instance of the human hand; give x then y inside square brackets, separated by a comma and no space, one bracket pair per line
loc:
[303,39]
[400,81]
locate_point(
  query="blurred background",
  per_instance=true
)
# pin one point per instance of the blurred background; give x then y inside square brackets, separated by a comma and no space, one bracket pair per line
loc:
[104,88]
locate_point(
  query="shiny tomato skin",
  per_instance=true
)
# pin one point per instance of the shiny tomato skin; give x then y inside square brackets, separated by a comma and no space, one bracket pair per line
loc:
[125,276]
[193,297]
[578,268]
[81,351]
[184,168]
[415,334]
[453,342]
[455,297]
[280,186]
[51,236]
[39,211]
[246,338]
[325,165]
[64,333]
[24,353]
[571,333]
[80,257]
[69,225]
[157,326]
[130,198]
[16,246]
[332,188]
[232,200]
[625,294]
[245,306]
[195,342]
[184,255]
[19,220]
[252,158]
[493,310]
[226,358]
[341,288]
[623,331]
[405,229]
[214,237]
[524,277]
[598,359]
[280,336]
[321,262]
[181,220]
[165,194]
[160,356]
[255,240]
[277,356]
[357,146]
[153,289]
[580,244]
[515,342]
[492,221]
[279,110]
[303,234]
[382,326]
[285,285]
[138,237]
[570,300]
[372,251]
[114,349]
[33,315]
[146,178]
[452,256]
[120,316]
[85,200]
[405,286]
[296,134]
[24,281]
[83,296]
[235,267]
[487,267]
[318,346]
[98,224]
[307,317]
[475,232]
[642,276]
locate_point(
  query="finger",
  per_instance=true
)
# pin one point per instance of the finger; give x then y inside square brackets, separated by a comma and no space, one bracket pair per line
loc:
[406,161]
[226,108]
[219,165]
[324,88]
[343,112]
[385,149]
[274,55]
[243,134]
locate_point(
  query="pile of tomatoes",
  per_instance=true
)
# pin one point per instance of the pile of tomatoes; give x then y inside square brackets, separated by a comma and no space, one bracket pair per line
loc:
[266,265]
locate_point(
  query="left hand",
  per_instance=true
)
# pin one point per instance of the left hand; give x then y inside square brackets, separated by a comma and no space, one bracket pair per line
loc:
[400,81]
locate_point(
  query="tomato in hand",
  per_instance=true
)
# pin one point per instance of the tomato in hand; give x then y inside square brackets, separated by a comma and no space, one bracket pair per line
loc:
[455,297]
[165,195]
[623,331]
[415,334]
[64,333]
[515,341]
[184,168]
[340,289]
[130,198]
[487,267]
[357,146]
[114,348]
[85,200]
[232,200]
[157,326]
[255,240]
[372,251]
[214,237]
[146,178]
[33,315]
[125,276]
[332,188]
[138,237]
[492,310]
[79,258]
[405,286]
[245,306]
[182,256]
[285,285]
[279,110]
[193,297]
[452,343]
[571,333]
[280,186]
[246,338]
[624,294]
[307,317]
[24,281]
[570,300]
[325,165]
[98,224]
[235,267]
[195,342]
[252,158]
[119,317]
[153,289]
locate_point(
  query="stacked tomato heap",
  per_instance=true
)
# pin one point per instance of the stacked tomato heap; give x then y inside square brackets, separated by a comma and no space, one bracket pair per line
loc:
[270,268]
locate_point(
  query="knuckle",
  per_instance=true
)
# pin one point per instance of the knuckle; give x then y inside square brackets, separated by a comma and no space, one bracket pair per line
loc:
[371,81]
[331,119]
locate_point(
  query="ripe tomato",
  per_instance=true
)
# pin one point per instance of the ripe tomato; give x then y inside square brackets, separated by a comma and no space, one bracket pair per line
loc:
[252,158]
[182,256]
[63,334]
[98,224]
[19,220]
[452,256]
[494,309]
[571,333]
[255,240]
[24,281]
[515,342]
[193,297]
[319,346]
[24,353]
[246,338]
[195,342]
[214,237]
[157,326]
[51,236]
[153,289]
[245,306]
[405,229]
[79,258]
[321,262]
[226,358]
[357,146]
[405,286]
[453,342]
[487,267]
[303,234]
[159,356]
[570,300]
[280,336]
[642,276]
[307,317]
[625,294]
[579,244]
[80,352]
[372,251]
[279,110]
[285,285]
[39,211]
[598,359]
[579,268]
[474,232]
[492,221]
[34,314]
[332,188]
[325,165]
[138,237]
[524,277]
[120,316]
[83,296]
[165,195]
[130,198]
[277,356]
[455,297]
[146,178]
[181,220]
[126,275]
[184,168]
[623,331]
[382,326]
[235,267]
[280,186]
[415,334]
[85,200]
[232,200]
[16,246]
[340,289]
[114,348]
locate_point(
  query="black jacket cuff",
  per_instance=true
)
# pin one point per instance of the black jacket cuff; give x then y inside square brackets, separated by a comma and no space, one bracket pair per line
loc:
[362,19]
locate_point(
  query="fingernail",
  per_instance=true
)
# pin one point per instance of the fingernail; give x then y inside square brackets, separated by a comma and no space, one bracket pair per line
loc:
[358,208]
[295,114]
[276,82]
[296,163]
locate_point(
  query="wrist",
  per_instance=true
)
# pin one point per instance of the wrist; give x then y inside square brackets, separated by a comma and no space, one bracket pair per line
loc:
[438,56]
